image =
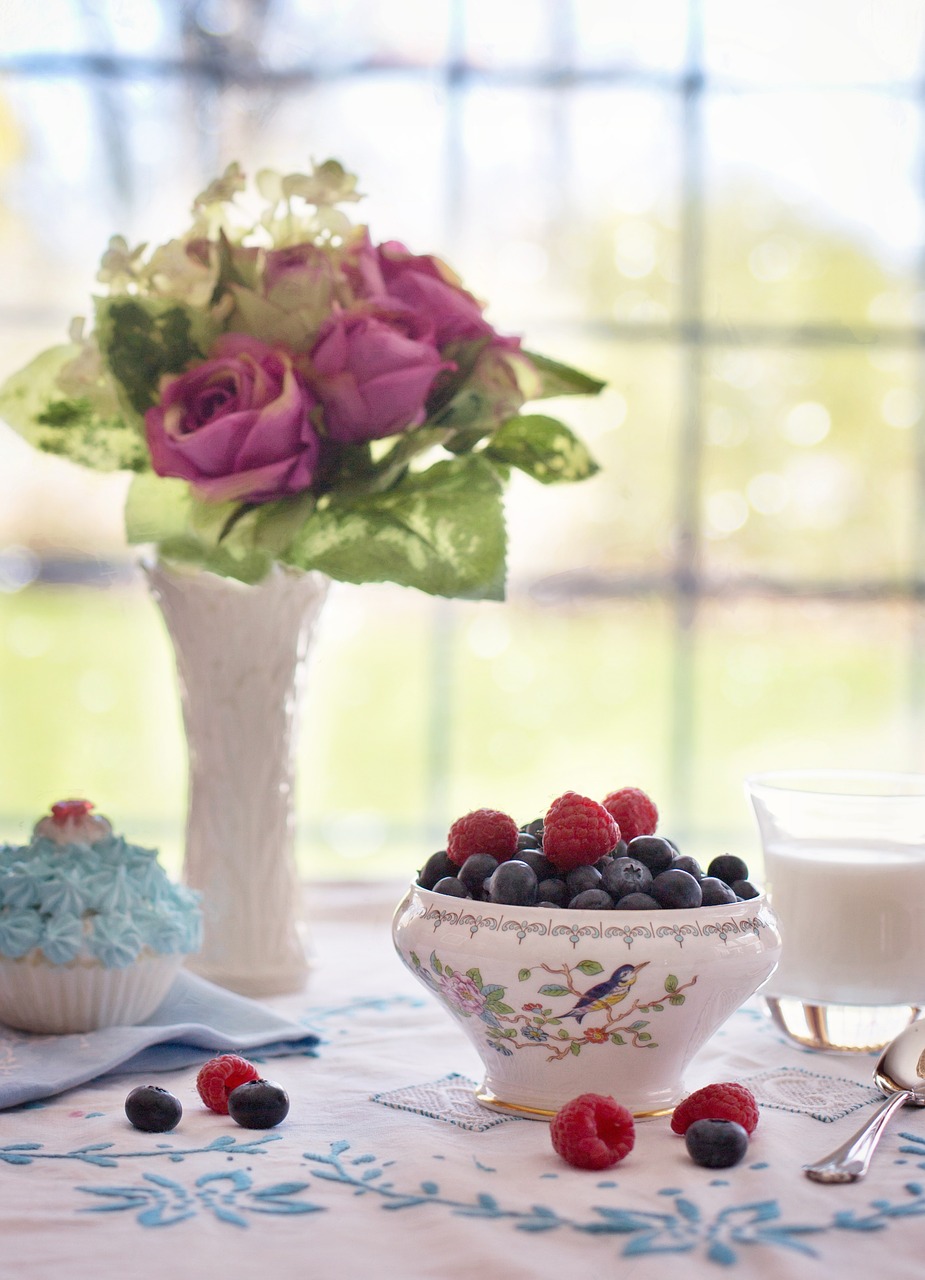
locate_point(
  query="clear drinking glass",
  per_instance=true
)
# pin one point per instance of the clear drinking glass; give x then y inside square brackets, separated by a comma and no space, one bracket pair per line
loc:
[844,857]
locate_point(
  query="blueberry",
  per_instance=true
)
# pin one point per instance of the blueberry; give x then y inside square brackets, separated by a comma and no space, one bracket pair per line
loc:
[514,883]
[744,889]
[638,902]
[603,863]
[258,1104]
[652,851]
[591,900]
[626,875]
[676,890]
[716,893]
[435,868]
[684,862]
[553,890]
[728,867]
[716,1144]
[475,871]
[539,862]
[525,840]
[534,828]
[452,887]
[153,1109]
[581,878]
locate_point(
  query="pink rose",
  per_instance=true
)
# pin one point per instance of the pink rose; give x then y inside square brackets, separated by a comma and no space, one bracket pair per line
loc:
[236,426]
[371,376]
[389,274]
[301,268]
[428,286]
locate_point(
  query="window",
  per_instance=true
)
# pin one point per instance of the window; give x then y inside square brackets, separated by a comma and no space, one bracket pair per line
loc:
[716,207]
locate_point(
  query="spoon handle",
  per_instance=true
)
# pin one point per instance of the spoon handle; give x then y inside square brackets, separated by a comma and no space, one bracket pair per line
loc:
[850,1162]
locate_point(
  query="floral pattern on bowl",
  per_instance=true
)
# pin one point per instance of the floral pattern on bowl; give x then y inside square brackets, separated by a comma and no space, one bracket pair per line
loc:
[559,1003]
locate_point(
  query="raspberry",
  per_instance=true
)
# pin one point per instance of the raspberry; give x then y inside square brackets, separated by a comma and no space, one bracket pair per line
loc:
[577,831]
[633,812]
[717,1102]
[219,1076]
[482,831]
[593,1132]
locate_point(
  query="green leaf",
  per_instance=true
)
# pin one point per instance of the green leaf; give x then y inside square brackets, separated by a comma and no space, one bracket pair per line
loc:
[671,983]
[644,1035]
[143,339]
[542,447]
[563,1034]
[509,1033]
[524,974]
[435,964]
[498,1007]
[26,393]
[553,990]
[157,509]
[561,379]
[415,960]
[676,999]
[439,530]
[658,1008]
[575,1048]
[590,967]
[616,1038]
[71,427]
[476,976]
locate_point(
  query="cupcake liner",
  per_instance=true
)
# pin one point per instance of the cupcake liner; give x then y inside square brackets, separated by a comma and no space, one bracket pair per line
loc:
[37,996]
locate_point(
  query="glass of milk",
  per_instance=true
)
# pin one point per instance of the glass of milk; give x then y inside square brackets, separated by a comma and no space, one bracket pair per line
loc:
[844,857]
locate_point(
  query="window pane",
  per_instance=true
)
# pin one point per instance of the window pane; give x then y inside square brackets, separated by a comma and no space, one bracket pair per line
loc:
[820,231]
[833,42]
[792,684]
[810,464]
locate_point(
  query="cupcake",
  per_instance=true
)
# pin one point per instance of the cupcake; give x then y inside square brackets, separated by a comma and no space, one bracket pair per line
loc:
[92,932]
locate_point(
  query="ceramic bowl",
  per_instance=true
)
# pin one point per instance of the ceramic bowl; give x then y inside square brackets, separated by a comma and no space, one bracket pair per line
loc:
[559,1003]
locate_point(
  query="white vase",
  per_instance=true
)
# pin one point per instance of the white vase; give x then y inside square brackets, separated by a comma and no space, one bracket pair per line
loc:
[241,654]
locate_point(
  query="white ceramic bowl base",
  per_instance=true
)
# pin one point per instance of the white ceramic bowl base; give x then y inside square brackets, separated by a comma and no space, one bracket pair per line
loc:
[559,1003]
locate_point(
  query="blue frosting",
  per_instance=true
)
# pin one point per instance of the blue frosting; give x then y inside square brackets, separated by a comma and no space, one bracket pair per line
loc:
[108,900]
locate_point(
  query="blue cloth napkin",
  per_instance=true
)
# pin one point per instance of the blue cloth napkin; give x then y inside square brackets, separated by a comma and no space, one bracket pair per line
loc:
[195,1020]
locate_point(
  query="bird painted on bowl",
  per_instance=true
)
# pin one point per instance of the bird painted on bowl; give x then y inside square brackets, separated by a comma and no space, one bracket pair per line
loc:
[603,995]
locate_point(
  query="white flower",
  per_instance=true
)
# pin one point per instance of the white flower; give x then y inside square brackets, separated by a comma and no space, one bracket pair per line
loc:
[174,272]
[86,376]
[327,184]
[119,265]
[224,189]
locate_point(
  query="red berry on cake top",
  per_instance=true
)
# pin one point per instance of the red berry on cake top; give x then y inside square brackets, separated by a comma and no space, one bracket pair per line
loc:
[70,809]
[633,811]
[577,832]
[482,831]
[593,1132]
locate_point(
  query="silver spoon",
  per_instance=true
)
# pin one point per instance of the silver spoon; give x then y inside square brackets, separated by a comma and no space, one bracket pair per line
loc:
[900,1074]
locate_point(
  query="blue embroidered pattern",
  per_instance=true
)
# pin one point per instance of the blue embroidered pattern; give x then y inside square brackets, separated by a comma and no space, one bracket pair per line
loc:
[228,1196]
[682,1231]
[101,1155]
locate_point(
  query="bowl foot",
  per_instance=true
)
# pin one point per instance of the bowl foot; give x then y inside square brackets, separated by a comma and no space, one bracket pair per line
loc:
[492,1102]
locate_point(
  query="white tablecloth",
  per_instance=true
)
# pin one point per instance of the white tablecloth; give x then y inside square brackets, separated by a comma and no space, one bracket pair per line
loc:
[387,1167]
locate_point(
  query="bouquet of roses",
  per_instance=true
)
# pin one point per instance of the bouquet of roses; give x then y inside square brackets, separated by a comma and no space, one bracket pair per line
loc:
[288,391]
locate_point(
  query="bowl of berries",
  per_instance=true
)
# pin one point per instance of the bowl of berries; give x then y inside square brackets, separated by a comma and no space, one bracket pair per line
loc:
[582,952]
